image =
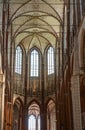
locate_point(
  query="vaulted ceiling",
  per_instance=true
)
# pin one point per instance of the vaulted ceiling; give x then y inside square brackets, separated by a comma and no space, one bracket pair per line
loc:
[36,22]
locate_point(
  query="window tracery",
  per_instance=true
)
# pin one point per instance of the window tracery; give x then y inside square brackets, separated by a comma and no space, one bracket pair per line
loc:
[32,122]
[33,117]
[34,65]
[18,60]
[50,60]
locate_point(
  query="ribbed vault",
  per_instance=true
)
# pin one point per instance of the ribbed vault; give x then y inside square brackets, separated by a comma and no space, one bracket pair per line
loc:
[36,22]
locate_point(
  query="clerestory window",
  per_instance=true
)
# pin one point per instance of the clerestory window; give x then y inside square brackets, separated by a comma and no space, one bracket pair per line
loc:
[34,63]
[50,60]
[18,60]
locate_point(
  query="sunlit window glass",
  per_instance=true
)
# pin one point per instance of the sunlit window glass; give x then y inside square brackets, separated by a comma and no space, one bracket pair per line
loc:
[34,63]
[18,60]
[38,122]
[32,123]
[50,59]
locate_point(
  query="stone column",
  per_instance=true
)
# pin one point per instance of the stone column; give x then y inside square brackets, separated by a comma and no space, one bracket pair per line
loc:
[37,123]
[43,111]
[75,87]
[43,119]
[25,119]
[2,88]
[25,109]
[75,90]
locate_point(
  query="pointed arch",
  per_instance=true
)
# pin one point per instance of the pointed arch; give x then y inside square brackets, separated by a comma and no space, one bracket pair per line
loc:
[18,60]
[33,114]
[34,64]
[55,13]
[51,115]
[50,60]
[32,122]
[17,110]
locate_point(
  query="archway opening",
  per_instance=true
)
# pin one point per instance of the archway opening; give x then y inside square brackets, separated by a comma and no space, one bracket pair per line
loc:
[51,116]
[34,117]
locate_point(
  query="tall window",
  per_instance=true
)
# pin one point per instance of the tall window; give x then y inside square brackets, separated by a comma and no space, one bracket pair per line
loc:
[34,117]
[18,60]
[50,59]
[34,63]
[32,123]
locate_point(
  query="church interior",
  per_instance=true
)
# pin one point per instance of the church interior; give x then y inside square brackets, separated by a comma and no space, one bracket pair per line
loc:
[42,65]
